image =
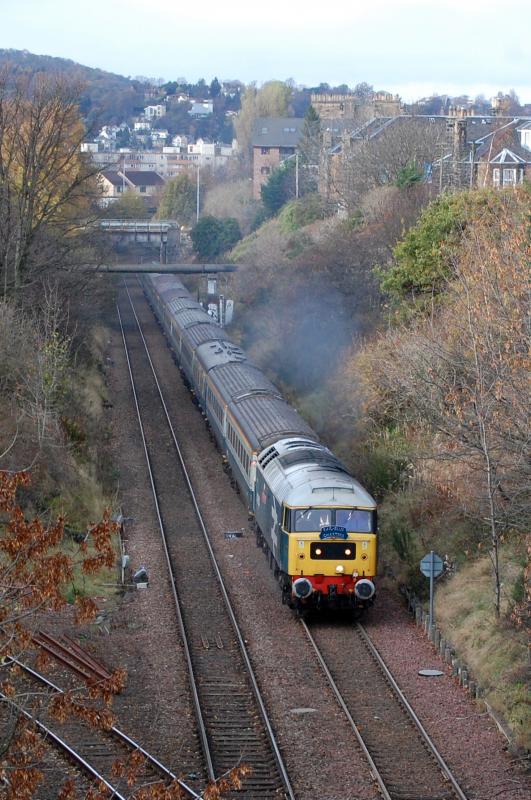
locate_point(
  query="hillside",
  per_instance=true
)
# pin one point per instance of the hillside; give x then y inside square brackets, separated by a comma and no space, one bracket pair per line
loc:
[106,98]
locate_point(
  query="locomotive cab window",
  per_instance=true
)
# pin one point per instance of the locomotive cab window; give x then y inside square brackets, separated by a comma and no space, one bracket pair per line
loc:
[354,520]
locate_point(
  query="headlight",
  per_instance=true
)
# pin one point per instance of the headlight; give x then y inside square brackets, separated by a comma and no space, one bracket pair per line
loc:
[340,568]
[364,589]
[302,588]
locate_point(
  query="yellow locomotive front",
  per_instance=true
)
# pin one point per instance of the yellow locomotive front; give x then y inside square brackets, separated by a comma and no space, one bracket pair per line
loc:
[332,555]
[319,524]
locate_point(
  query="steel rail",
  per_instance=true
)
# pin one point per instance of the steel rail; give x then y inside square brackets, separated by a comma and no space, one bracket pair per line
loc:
[197,705]
[114,730]
[49,734]
[278,757]
[418,724]
[344,707]
[401,697]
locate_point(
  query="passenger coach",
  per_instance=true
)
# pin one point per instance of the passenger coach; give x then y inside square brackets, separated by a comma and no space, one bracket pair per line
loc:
[316,522]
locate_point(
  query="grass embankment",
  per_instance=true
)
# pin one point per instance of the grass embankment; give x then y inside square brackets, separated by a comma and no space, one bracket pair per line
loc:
[83,501]
[495,651]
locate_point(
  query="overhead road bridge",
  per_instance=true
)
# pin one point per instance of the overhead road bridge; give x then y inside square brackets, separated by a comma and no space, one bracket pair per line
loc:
[170,269]
[165,235]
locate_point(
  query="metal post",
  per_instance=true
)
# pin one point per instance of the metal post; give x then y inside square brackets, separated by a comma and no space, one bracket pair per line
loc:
[432,569]
[197,196]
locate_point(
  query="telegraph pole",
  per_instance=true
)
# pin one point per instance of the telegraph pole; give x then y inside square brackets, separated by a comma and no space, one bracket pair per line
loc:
[197,196]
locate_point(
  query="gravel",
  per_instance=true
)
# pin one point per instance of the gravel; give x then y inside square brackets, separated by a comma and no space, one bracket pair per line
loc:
[322,757]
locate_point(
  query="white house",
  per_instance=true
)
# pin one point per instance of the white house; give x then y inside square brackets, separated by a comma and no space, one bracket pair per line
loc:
[201,108]
[153,112]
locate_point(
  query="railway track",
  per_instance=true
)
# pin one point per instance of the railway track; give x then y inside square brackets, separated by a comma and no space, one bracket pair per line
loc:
[403,758]
[232,721]
[94,752]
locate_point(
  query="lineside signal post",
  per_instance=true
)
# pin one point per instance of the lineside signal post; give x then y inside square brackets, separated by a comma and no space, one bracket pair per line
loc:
[432,566]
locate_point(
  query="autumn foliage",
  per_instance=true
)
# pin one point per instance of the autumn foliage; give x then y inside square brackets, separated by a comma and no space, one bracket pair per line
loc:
[455,377]
[34,578]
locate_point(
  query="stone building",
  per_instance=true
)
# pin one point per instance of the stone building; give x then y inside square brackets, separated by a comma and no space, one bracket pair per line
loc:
[457,151]
[353,107]
[274,140]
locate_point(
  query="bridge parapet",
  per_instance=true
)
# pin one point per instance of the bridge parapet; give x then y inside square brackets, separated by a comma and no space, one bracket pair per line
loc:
[138,226]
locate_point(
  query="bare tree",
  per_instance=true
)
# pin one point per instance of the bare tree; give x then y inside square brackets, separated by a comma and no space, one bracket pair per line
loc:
[44,179]
[376,155]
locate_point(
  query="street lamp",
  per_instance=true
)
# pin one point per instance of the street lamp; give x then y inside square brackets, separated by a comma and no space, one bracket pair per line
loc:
[197,194]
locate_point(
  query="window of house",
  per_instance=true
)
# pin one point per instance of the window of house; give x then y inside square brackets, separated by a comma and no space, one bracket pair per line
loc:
[264,130]
[496,177]
[142,188]
[265,151]
[119,188]
[265,170]
[509,177]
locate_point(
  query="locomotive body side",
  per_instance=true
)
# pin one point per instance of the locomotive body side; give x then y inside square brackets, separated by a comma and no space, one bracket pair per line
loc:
[317,523]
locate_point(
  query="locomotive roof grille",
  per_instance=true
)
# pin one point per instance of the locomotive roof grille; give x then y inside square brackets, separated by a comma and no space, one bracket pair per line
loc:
[256,393]
[224,346]
[316,456]
[268,456]
[297,443]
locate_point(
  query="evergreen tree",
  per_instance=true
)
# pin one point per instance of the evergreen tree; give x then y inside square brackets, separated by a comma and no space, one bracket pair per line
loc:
[309,148]
[212,236]
[215,88]
[279,188]
[178,200]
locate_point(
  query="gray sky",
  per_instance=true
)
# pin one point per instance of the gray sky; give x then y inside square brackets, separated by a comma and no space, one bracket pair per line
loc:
[413,47]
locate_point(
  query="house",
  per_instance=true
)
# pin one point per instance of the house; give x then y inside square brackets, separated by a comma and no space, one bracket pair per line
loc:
[106,138]
[175,99]
[459,150]
[115,183]
[180,140]
[350,106]
[154,112]
[201,108]
[503,157]
[232,88]
[159,136]
[142,125]
[274,140]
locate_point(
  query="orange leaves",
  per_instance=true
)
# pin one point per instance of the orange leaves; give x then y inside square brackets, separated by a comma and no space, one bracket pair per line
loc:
[65,705]
[8,486]
[86,609]
[233,780]
[35,572]
[100,536]
[67,791]
[131,769]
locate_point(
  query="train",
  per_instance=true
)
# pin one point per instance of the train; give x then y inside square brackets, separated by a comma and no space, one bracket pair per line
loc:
[316,523]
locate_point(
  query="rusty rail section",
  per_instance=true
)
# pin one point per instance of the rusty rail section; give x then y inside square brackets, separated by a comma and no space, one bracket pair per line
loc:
[66,651]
